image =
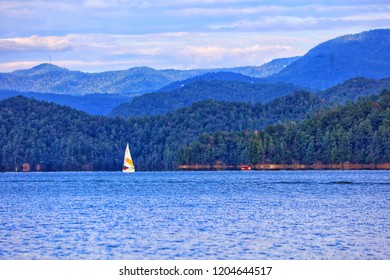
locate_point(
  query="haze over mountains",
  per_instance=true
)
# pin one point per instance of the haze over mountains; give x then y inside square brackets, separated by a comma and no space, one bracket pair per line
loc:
[49,78]
[366,54]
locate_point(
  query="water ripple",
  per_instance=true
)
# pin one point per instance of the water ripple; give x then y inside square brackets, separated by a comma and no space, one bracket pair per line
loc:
[196,215]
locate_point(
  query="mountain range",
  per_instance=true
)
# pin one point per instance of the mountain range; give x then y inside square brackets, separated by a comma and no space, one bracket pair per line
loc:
[158,103]
[49,78]
[197,90]
[254,92]
[365,54]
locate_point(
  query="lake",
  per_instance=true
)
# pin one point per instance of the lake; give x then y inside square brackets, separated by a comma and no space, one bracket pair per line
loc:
[195,215]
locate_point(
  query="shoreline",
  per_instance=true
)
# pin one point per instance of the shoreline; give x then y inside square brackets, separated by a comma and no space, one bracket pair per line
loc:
[243,167]
[295,166]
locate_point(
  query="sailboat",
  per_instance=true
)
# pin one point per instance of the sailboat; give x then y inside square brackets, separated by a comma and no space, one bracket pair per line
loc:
[128,165]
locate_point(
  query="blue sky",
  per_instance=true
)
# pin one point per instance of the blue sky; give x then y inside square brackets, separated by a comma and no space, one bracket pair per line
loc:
[102,35]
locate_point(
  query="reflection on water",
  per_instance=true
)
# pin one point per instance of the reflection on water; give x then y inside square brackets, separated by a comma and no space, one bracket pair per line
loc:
[195,215]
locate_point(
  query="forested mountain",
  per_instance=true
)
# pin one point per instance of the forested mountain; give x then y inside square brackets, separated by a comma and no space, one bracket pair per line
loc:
[103,104]
[356,133]
[366,54]
[48,78]
[211,76]
[163,102]
[353,88]
[265,70]
[255,91]
[47,136]
[60,138]
[94,104]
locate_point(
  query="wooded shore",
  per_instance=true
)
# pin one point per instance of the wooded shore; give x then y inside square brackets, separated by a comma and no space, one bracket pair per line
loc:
[295,166]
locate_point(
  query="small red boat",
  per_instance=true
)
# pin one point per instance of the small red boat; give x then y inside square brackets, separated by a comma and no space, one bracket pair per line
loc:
[245,167]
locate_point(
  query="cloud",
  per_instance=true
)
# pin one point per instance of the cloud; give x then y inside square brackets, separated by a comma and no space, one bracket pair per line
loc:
[89,52]
[321,18]
[221,52]
[184,34]
[11,66]
[36,43]
[367,17]
[99,3]
[215,56]
[161,16]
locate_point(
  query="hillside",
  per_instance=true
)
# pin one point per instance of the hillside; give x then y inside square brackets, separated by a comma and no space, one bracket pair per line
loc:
[94,104]
[211,76]
[60,138]
[354,88]
[366,54]
[103,104]
[50,137]
[254,91]
[265,70]
[163,102]
[355,133]
[48,78]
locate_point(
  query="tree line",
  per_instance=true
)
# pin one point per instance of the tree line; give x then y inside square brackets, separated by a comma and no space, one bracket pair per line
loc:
[50,137]
[356,132]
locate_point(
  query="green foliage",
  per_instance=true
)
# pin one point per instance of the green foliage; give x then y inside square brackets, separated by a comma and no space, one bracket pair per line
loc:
[163,102]
[60,138]
[223,90]
[357,133]
[57,137]
[354,88]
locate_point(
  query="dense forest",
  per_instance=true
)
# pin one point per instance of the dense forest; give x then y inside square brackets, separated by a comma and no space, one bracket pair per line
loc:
[241,91]
[157,103]
[60,138]
[353,88]
[356,133]
[94,104]
[46,136]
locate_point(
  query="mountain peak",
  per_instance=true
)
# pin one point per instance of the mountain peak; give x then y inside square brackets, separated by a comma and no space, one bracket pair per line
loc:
[366,35]
[364,54]
[41,69]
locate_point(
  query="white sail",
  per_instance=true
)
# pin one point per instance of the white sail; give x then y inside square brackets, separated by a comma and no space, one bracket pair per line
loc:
[128,165]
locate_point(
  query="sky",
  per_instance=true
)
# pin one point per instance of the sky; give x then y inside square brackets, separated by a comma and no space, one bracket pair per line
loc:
[103,35]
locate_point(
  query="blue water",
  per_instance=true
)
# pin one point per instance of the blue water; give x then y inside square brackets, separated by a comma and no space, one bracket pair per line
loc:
[195,215]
